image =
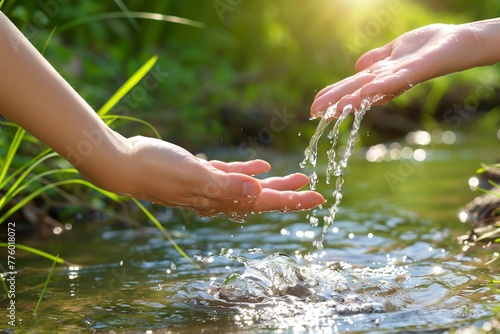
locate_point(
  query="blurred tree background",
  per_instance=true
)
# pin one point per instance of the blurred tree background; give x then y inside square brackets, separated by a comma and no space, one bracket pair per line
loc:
[246,78]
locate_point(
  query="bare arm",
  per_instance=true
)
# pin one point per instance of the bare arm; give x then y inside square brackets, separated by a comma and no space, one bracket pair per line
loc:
[414,57]
[37,98]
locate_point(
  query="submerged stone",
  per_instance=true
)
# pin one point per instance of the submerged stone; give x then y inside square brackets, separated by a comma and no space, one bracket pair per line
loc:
[483,212]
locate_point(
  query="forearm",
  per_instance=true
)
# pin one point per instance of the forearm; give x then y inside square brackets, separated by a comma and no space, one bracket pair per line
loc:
[488,35]
[35,96]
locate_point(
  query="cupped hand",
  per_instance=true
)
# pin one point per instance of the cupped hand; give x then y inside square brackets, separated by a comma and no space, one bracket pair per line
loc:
[169,175]
[414,57]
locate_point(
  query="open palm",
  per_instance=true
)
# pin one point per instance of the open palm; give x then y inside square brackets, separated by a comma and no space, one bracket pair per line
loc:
[414,57]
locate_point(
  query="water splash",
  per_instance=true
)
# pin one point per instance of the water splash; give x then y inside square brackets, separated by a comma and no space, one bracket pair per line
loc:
[337,288]
[335,166]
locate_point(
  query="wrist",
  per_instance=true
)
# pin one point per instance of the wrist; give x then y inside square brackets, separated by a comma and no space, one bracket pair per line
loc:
[487,33]
[104,158]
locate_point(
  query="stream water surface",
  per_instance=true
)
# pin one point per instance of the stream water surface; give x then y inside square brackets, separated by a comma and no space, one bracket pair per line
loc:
[389,261]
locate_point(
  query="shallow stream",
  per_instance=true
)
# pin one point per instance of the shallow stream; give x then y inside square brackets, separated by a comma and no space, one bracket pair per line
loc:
[390,251]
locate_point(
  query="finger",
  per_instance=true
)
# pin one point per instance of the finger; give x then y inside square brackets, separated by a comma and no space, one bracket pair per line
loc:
[389,86]
[233,194]
[336,92]
[372,57]
[230,186]
[289,182]
[273,200]
[342,83]
[380,91]
[206,181]
[253,167]
[348,103]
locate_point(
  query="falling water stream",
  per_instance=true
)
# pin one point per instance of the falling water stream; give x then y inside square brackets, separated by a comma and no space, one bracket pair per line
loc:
[335,165]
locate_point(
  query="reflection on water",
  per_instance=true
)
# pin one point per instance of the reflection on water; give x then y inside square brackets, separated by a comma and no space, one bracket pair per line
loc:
[389,264]
[421,140]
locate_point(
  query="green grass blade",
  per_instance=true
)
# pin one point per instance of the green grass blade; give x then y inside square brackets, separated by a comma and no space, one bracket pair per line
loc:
[33,162]
[1,3]
[40,253]
[165,233]
[2,278]
[14,188]
[489,234]
[11,194]
[128,15]
[7,123]
[18,137]
[46,284]
[112,118]
[48,40]
[491,261]
[127,86]
[494,184]
[39,191]
[487,191]
[485,168]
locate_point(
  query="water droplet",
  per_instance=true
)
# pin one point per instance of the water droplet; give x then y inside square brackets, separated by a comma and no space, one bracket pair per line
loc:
[318,244]
[313,179]
[256,250]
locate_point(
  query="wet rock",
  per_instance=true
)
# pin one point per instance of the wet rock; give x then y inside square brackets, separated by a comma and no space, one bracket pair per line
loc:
[483,212]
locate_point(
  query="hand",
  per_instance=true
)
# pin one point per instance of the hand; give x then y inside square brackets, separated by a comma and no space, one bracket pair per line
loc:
[410,59]
[169,175]
[146,168]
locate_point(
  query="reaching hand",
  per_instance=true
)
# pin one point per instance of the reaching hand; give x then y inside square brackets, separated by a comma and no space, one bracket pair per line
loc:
[386,72]
[146,168]
[169,175]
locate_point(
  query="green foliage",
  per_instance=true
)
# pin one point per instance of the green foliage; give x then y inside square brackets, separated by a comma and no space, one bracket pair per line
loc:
[219,84]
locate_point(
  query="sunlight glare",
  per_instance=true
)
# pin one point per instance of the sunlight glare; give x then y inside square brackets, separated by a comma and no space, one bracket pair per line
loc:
[473,183]
[436,270]
[463,216]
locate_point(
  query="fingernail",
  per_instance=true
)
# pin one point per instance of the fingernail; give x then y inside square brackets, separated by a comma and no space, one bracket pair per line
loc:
[250,189]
